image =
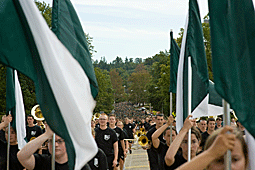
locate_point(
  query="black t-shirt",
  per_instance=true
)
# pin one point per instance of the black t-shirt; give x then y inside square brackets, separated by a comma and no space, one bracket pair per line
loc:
[146,126]
[152,152]
[33,132]
[43,162]
[97,125]
[129,128]
[162,149]
[152,126]
[120,136]
[2,135]
[99,162]
[105,140]
[179,160]
[125,133]
[205,135]
[14,163]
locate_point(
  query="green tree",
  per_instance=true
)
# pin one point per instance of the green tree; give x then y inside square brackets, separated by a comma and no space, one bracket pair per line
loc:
[105,96]
[117,85]
[45,10]
[159,85]
[138,82]
[91,47]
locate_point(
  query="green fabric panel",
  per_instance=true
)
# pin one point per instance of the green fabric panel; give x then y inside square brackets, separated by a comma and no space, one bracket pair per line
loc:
[174,57]
[14,50]
[233,40]
[214,97]
[66,25]
[10,96]
[195,48]
[195,43]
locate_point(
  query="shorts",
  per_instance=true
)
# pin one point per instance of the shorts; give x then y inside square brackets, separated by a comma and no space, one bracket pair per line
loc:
[121,155]
[110,161]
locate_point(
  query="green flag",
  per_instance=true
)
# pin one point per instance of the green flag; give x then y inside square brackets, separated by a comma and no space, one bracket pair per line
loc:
[67,27]
[62,87]
[192,46]
[10,94]
[174,57]
[232,36]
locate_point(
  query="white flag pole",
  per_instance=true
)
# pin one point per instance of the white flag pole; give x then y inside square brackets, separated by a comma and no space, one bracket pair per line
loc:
[53,152]
[8,145]
[226,119]
[171,99]
[189,103]
[171,125]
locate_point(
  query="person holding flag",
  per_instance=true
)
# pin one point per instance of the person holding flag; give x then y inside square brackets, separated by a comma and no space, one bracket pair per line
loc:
[14,164]
[35,161]
[216,146]
[173,159]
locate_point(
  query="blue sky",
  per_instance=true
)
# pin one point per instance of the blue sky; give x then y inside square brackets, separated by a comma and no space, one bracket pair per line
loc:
[132,28]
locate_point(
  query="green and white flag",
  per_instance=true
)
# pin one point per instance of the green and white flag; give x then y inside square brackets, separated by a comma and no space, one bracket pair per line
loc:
[67,27]
[192,46]
[15,106]
[62,87]
[174,57]
[232,36]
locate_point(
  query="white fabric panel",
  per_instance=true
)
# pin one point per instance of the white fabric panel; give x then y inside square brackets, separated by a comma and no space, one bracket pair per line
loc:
[179,91]
[20,114]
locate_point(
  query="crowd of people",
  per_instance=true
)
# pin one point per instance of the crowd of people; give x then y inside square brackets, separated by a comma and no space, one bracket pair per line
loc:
[114,137]
[127,109]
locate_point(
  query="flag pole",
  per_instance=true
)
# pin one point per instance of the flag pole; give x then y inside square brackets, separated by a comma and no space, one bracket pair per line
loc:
[8,145]
[189,103]
[226,119]
[53,152]
[171,99]
[171,125]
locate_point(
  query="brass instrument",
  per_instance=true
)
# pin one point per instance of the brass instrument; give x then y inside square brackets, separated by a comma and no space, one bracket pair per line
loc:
[37,113]
[144,142]
[142,130]
[138,133]
[96,116]
[38,116]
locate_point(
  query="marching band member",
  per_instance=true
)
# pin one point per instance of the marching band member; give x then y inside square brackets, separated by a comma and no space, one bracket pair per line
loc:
[120,135]
[174,159]
[35,161]
[162,147]
[216,146]
[106,140]
[14,164]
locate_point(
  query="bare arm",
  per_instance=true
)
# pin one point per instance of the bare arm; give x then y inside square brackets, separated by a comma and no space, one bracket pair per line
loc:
[7,120]
[172,150]
[25,155]
[158,132]
[123,147]
[115,148]
[219,147]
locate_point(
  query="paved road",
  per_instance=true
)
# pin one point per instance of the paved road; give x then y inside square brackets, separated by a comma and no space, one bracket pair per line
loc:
[138,160]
